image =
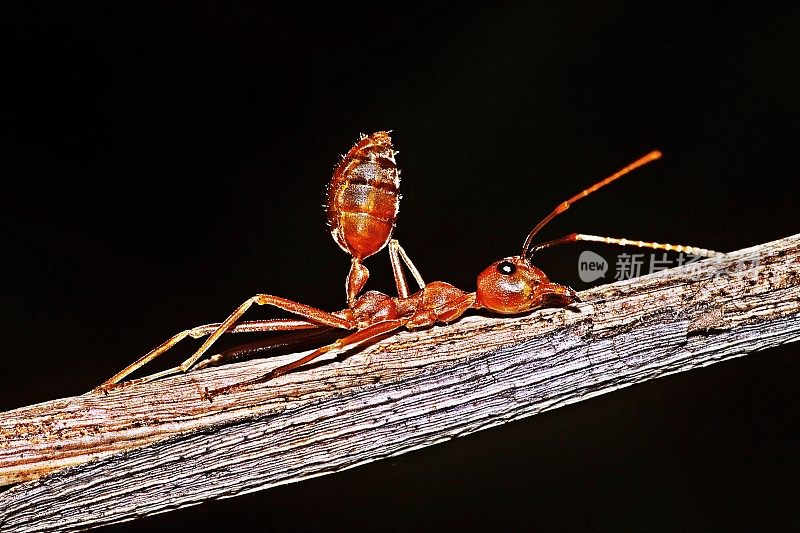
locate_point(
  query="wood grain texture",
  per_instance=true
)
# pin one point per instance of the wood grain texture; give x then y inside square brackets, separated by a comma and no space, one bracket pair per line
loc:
[153,447]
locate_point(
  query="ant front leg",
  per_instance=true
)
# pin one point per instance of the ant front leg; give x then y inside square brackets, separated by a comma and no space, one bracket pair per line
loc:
[315,317]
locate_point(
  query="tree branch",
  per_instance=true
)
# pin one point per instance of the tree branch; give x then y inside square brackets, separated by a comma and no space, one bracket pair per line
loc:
[153,447]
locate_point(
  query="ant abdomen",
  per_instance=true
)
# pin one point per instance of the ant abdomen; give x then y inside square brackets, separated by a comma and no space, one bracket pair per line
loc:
[363,197]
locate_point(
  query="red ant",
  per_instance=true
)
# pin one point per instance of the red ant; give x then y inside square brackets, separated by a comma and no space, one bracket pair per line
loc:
[363,202]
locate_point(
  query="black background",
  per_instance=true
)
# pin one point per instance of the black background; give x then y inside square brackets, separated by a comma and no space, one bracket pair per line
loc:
[169,160]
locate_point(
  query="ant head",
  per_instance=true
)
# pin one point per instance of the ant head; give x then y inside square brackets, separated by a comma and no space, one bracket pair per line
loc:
[512,285]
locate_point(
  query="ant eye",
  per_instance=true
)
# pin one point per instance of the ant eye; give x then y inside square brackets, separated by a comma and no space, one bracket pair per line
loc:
[506,267]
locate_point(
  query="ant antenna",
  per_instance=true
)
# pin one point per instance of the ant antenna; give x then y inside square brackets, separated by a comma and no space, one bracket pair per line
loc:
[560,208]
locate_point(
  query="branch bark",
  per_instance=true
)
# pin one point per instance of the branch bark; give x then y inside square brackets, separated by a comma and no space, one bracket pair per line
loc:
[94,459]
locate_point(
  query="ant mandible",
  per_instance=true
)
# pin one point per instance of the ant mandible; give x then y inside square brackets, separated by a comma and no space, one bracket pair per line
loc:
[363,203]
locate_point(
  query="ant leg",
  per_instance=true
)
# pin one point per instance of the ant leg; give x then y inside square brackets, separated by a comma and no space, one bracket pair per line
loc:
[306,311]
[312,314]
[574,237]
[302,340]
[370,332]
[251,326]
[396,254]
[397,269]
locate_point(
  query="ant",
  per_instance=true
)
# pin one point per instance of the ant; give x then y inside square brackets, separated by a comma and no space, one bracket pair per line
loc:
[362,208]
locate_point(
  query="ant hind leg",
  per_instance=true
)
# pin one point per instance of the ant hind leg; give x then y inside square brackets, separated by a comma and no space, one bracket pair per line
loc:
[396,255]
[314,317]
